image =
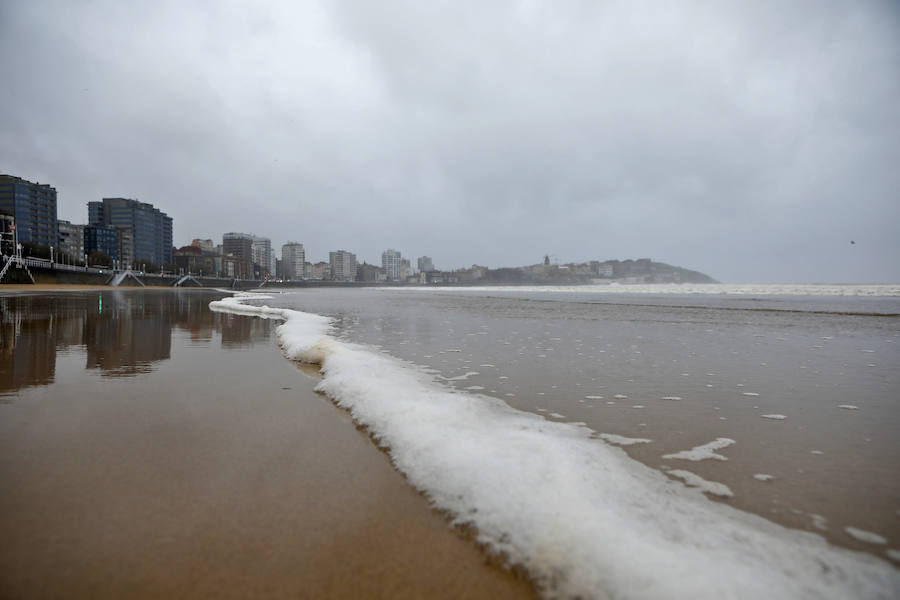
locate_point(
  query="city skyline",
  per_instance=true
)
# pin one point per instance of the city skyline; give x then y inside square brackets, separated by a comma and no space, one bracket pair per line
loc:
[113,217]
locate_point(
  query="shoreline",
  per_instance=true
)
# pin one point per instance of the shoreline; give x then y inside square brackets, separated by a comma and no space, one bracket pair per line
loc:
[381,412]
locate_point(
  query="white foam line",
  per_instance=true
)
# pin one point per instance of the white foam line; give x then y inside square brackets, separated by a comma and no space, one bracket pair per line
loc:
[462,377]
[711,487]
[583,518]
[865,536]
[621,440]
[703,452]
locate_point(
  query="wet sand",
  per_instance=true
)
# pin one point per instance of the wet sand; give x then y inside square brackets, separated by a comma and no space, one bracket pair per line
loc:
[218,472]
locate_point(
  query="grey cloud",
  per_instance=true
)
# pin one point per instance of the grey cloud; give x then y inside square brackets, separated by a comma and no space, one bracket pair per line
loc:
[748,140]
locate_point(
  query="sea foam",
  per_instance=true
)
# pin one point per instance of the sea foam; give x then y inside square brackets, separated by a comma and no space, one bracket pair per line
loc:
[580,516]
[703,452]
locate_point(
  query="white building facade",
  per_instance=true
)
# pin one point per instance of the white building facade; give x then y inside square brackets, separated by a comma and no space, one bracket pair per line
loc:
[391,263]
[293,260]
[263,256]
[343,265]
[425,264]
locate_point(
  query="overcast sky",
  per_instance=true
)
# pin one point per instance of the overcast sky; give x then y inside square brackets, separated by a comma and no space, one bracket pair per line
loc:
[748,140]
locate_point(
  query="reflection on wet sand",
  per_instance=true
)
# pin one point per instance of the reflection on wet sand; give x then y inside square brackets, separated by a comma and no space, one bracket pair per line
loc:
[122,332]
[219,474]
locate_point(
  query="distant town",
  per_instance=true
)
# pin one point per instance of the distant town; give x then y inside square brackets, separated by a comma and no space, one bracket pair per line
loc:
[126,235]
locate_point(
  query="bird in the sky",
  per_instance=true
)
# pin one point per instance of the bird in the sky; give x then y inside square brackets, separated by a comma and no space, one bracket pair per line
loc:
[852,243]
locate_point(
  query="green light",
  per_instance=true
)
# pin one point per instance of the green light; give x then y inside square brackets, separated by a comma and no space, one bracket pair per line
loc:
[100,303]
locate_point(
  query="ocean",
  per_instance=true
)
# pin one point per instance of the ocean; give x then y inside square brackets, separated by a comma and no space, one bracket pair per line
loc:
[736,441]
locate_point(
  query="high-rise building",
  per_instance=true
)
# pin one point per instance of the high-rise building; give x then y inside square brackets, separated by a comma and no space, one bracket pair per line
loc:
[150,228]
[424,263]
[293,259]
[405,269]
[7,234]
[33,206]
[343,265]
[240,246]
[262,256]
[71,240]
[279,268]
[390,262]
[319,271]
[98,238]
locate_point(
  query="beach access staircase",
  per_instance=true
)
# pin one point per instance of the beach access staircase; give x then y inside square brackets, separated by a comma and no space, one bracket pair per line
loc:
[186,279]
[117,279]
[21,263]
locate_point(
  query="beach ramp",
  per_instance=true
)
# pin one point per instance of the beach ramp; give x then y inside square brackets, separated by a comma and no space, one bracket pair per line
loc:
[188,280]
[117,279]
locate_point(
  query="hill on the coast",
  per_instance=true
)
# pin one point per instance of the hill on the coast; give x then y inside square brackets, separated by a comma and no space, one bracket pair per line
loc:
[642,270]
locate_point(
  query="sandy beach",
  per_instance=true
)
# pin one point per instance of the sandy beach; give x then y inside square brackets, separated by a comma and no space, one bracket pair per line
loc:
[212,469]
